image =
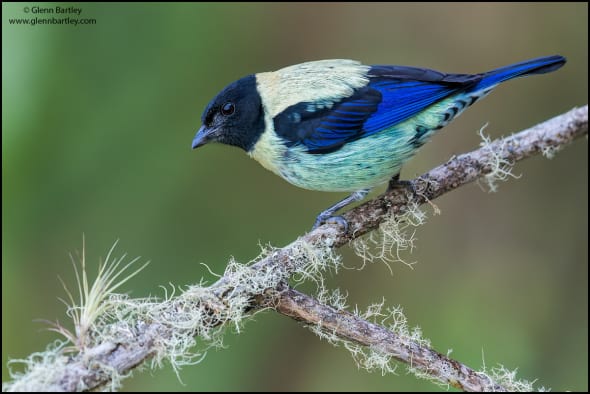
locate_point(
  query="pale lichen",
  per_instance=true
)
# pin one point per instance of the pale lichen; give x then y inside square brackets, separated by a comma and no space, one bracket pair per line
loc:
[499,169]
[188,323]
[395,236]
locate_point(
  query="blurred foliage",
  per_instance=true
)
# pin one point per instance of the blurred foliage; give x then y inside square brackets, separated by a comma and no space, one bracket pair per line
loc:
[97,123]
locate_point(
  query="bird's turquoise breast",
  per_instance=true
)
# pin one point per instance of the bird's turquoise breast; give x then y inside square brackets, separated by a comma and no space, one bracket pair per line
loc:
[357,165]
[363,163]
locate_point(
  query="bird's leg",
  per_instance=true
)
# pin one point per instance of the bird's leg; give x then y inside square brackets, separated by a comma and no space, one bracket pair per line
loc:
[396,183]
[326,216]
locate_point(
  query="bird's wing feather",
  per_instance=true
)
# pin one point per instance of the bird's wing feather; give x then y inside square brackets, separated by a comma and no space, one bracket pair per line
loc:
[393,94]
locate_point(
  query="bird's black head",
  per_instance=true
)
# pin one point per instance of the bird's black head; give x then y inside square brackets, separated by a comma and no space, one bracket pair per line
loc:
[234,117]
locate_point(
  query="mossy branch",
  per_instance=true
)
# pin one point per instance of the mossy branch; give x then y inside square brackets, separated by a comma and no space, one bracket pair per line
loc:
[351,327]
[129,332]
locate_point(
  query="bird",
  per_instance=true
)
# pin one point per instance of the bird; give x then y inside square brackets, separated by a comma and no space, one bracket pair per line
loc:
[341,126]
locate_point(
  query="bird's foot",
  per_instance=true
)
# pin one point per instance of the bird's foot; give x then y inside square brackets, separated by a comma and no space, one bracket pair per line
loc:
[396,183]
[327,218]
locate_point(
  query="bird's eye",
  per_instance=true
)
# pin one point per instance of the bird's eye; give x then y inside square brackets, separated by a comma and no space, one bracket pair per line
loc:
[228,109]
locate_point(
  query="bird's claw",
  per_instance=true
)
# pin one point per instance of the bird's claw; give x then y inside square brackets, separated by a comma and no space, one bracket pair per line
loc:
[326,216]
[328,219]
[396,183]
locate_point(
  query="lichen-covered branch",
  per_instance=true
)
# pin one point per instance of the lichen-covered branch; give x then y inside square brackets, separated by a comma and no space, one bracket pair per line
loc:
[350,327]
[131,332]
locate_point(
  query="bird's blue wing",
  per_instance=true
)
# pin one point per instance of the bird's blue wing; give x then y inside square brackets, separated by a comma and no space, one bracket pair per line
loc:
[393,94]
[325,127]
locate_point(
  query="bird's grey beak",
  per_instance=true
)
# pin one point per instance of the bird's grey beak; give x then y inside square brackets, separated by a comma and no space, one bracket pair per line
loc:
[203,136]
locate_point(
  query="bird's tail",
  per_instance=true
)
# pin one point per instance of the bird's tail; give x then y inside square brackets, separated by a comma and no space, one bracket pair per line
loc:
[540,65]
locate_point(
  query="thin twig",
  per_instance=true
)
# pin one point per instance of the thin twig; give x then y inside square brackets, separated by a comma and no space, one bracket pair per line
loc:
[304,308]
[94,366]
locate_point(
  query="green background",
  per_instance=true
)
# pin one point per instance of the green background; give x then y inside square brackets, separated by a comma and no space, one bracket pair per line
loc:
[97,122]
